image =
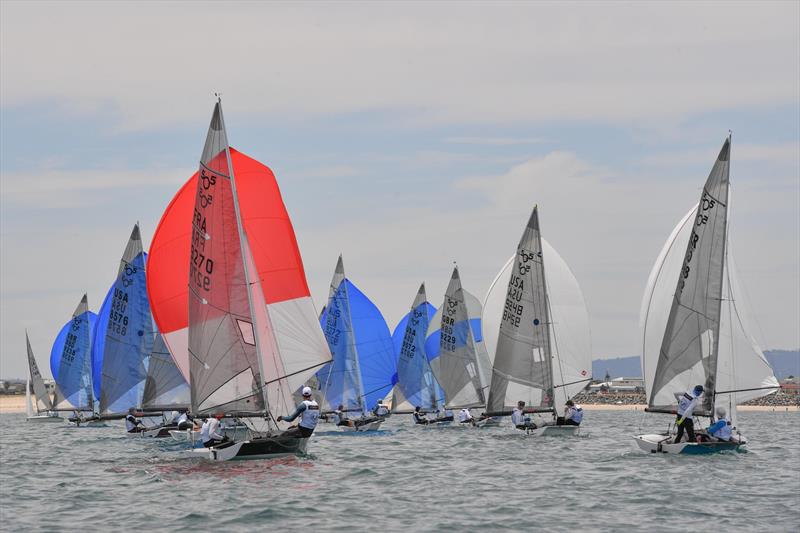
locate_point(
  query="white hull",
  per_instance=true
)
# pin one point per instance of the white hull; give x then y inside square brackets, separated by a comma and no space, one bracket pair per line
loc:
[193,436]
[372,426]
[45,418]
[660,443]
[554,431]
[152,433]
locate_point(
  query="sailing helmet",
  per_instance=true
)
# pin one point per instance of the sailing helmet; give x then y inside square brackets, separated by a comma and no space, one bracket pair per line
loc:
[698,390]
[721,412]
[306,391]
[417,408]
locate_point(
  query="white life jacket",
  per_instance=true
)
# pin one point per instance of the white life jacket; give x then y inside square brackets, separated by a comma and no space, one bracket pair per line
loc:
[381,410]
[309,417]
[575,414]
[725,432]
[517,417]
[204,431]
[182,418]
[130,422]
[464,415]
[686,404]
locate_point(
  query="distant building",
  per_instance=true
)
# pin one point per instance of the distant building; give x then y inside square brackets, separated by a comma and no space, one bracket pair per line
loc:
[620,385]
[791,385]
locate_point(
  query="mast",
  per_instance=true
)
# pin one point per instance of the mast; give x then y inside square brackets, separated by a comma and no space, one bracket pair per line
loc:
[245,249]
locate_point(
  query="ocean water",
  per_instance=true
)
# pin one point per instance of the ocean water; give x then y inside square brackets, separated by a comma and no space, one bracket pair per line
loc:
[404,478]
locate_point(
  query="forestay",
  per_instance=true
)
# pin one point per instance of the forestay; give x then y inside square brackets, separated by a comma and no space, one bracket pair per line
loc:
[128,335]
[43,401]
[415,381]
[70,360]
[458,367]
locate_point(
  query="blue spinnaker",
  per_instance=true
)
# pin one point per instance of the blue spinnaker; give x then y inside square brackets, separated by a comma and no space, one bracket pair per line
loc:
[71,354]
[363,370]
[415,378]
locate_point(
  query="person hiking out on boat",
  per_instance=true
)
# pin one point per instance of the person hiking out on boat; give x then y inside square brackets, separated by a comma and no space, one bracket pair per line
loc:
[448,416]
[340,417]
[308,411]
[465,417]
[381,410]
[133,424]
[210,432]
[573,415]
[686,405]
[183,421]
[420,417]
[721,429]
[519,419]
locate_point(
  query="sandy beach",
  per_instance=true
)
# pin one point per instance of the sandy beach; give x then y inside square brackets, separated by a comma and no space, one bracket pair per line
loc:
[12,404]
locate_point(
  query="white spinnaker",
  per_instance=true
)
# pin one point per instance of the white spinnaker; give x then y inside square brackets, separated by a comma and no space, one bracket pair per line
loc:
[571,334]
[741,363]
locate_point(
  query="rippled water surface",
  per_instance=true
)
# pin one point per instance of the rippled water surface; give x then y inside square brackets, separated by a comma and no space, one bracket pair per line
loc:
[404,478]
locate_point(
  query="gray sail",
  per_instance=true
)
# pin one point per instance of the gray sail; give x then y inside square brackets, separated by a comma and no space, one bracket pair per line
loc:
[164,387]
[225,370]
[690,346]
[129,333]
[523,364]
[457,368]
[43,401]
[338,277]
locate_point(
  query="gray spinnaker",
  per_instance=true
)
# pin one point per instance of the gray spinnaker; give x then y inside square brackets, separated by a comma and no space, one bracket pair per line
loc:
[691,338]
[43,401]
[225,372]
[523,366]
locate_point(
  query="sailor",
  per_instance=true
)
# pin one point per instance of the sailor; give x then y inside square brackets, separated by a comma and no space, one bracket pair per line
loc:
[183,421]
[381,410]
[465,417]
[573,414]
[340,417]
[448,416]
[419,416]
[308,411]
[686,405]
[519,419]
[721,429]
[210,432]
[133,424]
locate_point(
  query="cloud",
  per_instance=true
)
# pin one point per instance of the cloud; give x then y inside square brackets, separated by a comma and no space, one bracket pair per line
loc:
[158,64]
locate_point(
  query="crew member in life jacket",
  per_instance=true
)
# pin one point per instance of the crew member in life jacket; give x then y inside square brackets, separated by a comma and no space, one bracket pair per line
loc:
[183,421]
[308,411]
[381,410]
[133,424]
[340,417]
[573,415]
[210,434]
[721,429]
[686,405]
[419,416]
[465,417]
[519,419]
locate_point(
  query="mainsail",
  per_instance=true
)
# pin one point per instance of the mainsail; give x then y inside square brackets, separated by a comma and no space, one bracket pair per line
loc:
[225,370]
[363,369]
[71,361]
[43,401]
[415,381]
[128,335]
[164,387]
[703,339]
[458,367]
[519,337]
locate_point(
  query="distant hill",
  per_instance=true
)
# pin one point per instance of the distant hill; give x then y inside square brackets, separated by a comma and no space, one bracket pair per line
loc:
[785,363]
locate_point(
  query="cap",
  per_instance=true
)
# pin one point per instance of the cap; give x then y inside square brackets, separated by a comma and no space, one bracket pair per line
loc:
[698,389]
[306,391]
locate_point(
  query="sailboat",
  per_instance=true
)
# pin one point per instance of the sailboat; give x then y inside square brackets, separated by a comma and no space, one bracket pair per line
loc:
[542,355]
[455,349]
[695,326]
[124,335]
[251,335]
[71,364]
[363,370]
[416,384]
[44,404]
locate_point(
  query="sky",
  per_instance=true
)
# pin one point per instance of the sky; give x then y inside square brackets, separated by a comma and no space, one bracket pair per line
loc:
[406,136]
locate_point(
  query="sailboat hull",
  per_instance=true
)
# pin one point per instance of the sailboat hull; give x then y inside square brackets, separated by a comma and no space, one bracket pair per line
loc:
[159,432]
[660,443]
[45,418]
[555,431]
[259,448]
[370,426]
